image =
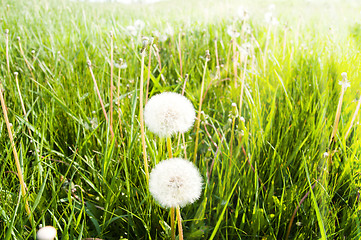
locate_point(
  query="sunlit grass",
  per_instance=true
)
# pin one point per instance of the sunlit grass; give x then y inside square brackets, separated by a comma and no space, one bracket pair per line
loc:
[259,158]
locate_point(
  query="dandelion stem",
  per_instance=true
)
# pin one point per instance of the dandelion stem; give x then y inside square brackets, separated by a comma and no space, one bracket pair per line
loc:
[180,229]
[172,227]
[148,77]
[111,80]
[217,60]
[337,117]
[294,212]
[169,147]
[17,162]
[180,55]
[100,98]
[242,86]
[26,61]
[231,141]
[235,59]
[198,120]
[353,118]
[7,50]
[142,118]
[119,108]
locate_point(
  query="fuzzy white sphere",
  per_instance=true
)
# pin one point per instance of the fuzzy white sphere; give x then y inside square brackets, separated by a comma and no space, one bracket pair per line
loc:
[175,182]
[46,233]
[168,113]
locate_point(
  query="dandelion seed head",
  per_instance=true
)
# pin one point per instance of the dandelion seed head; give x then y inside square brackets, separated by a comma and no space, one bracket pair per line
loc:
[168,113]
[175,182]
[344,83]
[139,24]
[232,32]
[46,233]
[344,75]
[132,30]
[242,13]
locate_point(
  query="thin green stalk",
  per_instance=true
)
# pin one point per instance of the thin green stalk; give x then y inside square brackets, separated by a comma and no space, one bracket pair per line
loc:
[149,65]
[7,50]
[26,60]
[99,96]
[17,162]
[172,223]
[198,120]
[180,228]
[142,117]
[337,117]
[353,118]
[111,80]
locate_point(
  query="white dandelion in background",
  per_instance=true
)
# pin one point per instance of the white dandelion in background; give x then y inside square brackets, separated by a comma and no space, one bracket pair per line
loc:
[243,13]
[344,83]
[175,182]
[46,233]
[232,32]
[270,19]
[139,24]
[132,30]
[169,30]
[168,113]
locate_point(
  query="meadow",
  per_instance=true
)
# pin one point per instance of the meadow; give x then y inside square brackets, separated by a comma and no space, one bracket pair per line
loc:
[276,140]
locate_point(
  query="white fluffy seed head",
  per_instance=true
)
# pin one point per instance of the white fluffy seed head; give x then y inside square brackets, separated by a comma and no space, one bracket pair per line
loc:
[168,113]
[46,233]
[175,182]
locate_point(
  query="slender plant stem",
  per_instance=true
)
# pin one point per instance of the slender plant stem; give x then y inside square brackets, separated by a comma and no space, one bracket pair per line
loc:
[169,147]
[235,60]
[142,117]
[180,54]
[148,77]
[7,50]
[198,120]
[119,108]
[217,60]
[294,212]
[231,141]
[100,98]
[180,228]
[172,225]
[353,118]
[242,86]
[17,162]
[266,49]
[337,117]
[26,61]
[111,80]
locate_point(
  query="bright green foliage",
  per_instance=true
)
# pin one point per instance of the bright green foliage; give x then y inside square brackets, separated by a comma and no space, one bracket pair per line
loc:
[88,185]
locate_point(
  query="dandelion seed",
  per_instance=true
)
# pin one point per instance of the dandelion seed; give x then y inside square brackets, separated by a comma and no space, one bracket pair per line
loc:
[325,154]
[242,13]
[46,233]
[175,182]
[232,32]
[132,30]
[271,7]
[344,83]
[169,31]
[270,19]
[139,24]
[168,113]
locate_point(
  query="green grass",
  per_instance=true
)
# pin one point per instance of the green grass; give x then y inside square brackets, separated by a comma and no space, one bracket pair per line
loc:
[88,186]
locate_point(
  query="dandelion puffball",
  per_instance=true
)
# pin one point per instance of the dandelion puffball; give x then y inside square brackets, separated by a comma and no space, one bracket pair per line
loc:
[46,233]
[168,113]
[175,182]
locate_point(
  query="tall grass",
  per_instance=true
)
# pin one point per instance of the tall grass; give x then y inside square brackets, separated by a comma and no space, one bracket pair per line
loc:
[258,165]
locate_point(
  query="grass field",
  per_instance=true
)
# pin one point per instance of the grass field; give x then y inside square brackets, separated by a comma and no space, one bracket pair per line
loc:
[278,142]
